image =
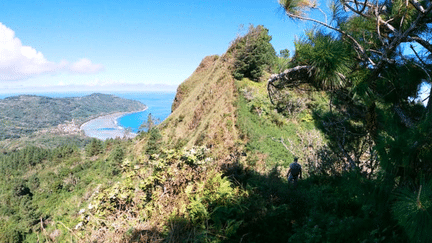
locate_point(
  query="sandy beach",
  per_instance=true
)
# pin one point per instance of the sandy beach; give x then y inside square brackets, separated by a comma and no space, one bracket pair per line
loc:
[105,127]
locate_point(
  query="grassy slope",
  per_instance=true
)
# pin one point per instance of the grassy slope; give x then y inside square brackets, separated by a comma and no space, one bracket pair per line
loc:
[267,130]
[206,116]
[165,196]
[169,195]
[204,111]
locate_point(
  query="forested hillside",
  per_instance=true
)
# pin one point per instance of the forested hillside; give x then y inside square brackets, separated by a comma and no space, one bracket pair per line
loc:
[25,114]
[215,170]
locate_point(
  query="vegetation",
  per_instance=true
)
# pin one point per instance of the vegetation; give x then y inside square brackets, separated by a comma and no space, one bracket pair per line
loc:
[279,136]
[215,170]
[375,122]
[253,53]
[41,188]
[43,141]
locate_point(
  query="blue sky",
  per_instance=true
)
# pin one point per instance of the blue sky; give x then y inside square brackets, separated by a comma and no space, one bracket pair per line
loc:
[123,45]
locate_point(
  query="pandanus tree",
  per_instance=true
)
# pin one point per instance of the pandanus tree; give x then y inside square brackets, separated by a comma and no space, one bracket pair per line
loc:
[386,57]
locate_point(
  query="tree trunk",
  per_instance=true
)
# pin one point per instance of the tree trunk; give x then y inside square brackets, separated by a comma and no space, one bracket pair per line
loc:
[429,104]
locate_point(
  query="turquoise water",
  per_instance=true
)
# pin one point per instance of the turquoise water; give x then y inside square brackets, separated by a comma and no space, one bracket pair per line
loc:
[158,103]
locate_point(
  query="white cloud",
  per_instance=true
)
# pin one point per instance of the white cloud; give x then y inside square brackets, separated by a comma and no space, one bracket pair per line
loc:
[106,82]
[18,62]
[84,66]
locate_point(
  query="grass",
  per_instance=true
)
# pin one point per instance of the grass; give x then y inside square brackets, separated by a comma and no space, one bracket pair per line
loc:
[206,114]
[265,128]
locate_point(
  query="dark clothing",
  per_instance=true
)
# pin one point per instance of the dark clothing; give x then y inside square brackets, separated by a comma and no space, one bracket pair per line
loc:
[295,169]
[294,172]
[292,178]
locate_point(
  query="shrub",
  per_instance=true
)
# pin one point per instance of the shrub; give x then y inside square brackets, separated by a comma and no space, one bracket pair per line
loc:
[253,53]
[154,141]
[93,148]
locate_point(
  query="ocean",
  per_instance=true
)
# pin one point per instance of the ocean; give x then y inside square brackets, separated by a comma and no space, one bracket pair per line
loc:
[158,103]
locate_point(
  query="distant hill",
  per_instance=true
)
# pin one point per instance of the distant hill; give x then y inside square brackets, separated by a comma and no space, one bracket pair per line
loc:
[26,114]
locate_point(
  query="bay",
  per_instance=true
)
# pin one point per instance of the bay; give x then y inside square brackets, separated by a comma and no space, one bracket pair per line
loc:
[158,104]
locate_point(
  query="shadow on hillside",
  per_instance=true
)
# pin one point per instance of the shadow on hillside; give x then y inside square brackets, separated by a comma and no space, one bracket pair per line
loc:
[320,209]
[266,215]
[272,210]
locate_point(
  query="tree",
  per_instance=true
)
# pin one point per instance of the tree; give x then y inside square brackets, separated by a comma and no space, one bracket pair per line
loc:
[376,30]
[383,78]
[282,61]
[380,73]
[94,147]
[253,53]
[150,123]
[154,142]
[285,53]
[154,137]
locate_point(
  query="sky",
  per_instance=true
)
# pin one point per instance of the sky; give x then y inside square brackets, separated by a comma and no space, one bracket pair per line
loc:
[146,45]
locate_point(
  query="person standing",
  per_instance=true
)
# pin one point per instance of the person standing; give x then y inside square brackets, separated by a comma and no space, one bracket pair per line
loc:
[294,172]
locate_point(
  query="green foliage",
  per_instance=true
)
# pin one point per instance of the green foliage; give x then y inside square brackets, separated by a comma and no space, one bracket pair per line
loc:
[285,53]
[326,208]
[116,157]
[145,185]
[39,185]
[212,207]
[264,127]
[196,156]
[413,210]
[367,58]
[253,53]
[260,132]
[94,147]
[149,124]
[373,123]
[282,61]
[154,142]
[117,154]
[330,58]
[296,7]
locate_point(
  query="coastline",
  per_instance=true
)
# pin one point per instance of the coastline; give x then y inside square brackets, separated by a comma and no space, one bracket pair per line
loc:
[106,126]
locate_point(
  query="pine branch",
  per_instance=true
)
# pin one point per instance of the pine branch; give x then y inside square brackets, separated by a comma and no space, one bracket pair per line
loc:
[404,118]
[418,6]
[286,74]
[357,45]
[421,41]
